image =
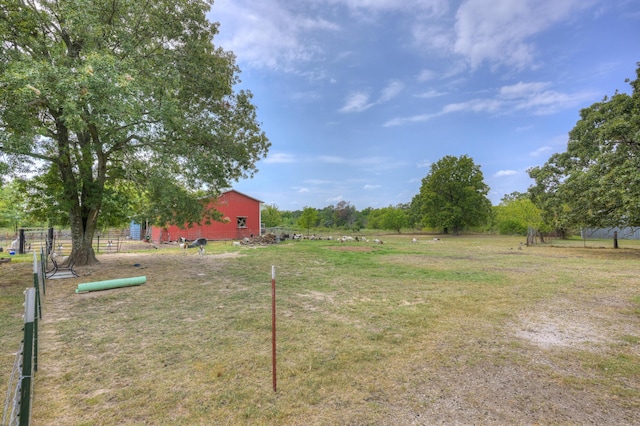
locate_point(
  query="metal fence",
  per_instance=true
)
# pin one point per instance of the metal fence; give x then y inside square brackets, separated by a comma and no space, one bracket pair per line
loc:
[608,233]
[17,406]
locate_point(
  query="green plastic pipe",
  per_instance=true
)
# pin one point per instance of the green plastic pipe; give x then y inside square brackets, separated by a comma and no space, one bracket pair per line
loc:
[108,284]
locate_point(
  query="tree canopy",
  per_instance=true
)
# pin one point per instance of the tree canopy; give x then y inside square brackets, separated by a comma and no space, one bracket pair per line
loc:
[453,195]
[596,182]
[271,216]
[125,93]
[516,214]
[308,218]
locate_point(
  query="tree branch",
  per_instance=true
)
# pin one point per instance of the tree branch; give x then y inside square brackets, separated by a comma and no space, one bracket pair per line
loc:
[28,154]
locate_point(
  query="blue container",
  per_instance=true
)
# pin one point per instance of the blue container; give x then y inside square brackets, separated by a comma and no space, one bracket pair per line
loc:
[12,252]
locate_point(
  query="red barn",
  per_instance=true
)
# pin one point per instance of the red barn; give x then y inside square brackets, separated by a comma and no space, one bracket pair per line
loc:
[241,215]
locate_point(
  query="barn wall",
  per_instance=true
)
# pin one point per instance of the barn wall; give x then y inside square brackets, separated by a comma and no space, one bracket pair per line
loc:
[232,205]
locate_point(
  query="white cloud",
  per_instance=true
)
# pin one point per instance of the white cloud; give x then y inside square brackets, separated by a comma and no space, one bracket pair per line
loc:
[541,151]
[360,101]
[391,91]
[267,34]
[318,182]
[503,173]
[521,89]
[531,97]
[474,105]
[535,97]
[370,187]
[430,94]
[336,199]
[432,8]
[303,190]
[280,158]
[500,31]
[426,75]
[279,34]
[357,102]
[433,37]
[411,119]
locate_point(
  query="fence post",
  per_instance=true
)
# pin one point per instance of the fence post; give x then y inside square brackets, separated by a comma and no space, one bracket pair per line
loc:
[273,328]
[27,355]
[43,271]
[21,242]
[36,285]
[49,241]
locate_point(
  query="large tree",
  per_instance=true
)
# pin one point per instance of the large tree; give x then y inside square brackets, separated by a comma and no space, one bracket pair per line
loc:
[95,91]
[596,182]
[308,218]
[394,218]
[344,214]
[453,195]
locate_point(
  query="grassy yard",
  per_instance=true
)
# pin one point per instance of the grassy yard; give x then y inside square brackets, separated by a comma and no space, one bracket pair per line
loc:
[460,330]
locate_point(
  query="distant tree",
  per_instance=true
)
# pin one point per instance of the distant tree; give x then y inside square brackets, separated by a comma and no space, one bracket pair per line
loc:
[12,206]
[123,91]
[374,220]
[394,218]
[545,195]
[517,214]
[326,216]
[596,181]
[453,195]
[344,214]
[271,216]
[308,218]
[415,215]
[363,217]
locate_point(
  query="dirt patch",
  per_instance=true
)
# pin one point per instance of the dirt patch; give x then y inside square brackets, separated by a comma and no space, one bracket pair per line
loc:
[568,324]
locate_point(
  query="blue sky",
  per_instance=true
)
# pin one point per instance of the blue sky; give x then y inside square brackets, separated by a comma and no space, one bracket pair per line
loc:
[360,97]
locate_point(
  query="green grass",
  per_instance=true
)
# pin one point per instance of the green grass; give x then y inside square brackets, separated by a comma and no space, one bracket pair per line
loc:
[367,334]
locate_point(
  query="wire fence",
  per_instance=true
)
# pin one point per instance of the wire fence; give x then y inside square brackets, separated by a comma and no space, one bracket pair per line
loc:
[28,240]
[19,395]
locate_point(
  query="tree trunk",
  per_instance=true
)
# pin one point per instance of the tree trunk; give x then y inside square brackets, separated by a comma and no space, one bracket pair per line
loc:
[82,191]
[83,227]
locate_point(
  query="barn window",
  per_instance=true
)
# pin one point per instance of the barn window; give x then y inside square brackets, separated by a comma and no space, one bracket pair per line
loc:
[242,221]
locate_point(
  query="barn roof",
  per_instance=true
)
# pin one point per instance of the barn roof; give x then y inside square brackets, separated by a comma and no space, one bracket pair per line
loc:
[244,195]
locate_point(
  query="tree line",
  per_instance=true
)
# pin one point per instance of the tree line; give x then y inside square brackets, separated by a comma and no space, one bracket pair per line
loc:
[452,199]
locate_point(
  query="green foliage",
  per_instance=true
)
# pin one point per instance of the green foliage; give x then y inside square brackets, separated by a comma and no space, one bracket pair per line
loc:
[271,216]
[12,206]
[515,215]
[374,219]
[326,216]
[308,218]
[391,218]
[394,219]
[453,195]
[129,93]
[344,215]
[596,181]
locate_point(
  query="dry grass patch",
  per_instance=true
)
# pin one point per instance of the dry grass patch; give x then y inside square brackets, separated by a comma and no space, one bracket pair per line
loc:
[457,331]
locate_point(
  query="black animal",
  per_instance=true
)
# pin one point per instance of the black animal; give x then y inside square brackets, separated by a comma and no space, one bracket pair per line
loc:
[200,242]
